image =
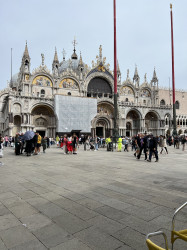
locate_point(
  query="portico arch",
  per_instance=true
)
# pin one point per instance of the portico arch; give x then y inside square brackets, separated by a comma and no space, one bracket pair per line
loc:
[152,122]
[133,122]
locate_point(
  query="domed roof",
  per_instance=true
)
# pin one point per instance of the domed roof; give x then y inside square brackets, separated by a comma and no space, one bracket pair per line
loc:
[14,81]
[69,64]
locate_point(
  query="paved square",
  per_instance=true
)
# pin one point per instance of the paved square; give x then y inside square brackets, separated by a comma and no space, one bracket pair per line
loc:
[93,200]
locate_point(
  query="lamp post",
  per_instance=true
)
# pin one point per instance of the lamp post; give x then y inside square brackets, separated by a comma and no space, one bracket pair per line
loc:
[115,131]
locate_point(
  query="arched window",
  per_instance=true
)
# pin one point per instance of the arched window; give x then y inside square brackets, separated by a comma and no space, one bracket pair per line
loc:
[162,103]
[166,121]
[99,85]
[42,93]
[177,104]
[144,102]
[126,99]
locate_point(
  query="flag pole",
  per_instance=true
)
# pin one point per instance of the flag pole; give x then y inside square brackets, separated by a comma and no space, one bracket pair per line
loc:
[173,75]
[11,69]
[115,132]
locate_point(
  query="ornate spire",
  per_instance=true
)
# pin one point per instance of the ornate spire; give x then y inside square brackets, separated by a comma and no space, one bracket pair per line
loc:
[74,55]
[154,79]
[26,52]
[145,78]
[64,54]
[128,74]
[136,77]
[25,65]
[55,57]
[80,61]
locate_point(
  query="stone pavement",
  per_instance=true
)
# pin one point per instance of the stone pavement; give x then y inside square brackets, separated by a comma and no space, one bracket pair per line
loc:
[93,200]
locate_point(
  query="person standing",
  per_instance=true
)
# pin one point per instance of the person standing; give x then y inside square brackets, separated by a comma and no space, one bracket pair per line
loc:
[39,141]
[65,145]
[153,148]
[35,139]
[1,148]
[96,143]
[6,141]
[17,144]
[75,141]
[44,143]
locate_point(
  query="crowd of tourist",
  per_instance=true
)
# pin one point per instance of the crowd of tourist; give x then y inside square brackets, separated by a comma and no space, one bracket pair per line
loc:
[32,143]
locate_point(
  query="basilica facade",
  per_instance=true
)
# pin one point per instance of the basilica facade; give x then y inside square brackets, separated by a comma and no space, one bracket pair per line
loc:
[28,102]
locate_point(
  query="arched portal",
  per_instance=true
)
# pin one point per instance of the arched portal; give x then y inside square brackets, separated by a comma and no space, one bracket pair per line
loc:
[43,118]
[151,122]
[132,123]
[128,128]
[103,127]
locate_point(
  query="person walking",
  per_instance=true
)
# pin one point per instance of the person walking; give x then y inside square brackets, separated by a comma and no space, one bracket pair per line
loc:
[183,141]
[153,148]
[144,147]
[164,145]
[57,140]
[119,144]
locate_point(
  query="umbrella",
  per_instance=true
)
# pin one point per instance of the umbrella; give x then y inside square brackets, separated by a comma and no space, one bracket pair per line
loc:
[28,135]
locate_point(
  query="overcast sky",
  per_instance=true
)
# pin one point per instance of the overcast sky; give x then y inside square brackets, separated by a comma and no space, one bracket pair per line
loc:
[143,34]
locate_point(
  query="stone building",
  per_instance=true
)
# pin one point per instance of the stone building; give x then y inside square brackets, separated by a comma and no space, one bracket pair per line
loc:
[28,102]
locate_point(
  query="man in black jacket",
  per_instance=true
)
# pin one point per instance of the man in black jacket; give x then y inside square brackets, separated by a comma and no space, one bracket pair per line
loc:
[153,148]
[143,147]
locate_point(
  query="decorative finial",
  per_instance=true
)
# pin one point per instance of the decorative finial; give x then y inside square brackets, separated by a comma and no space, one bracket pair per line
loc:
[64,54]
[42,55]
[127,73]
[145,77]
[74,43]
[80,61]
[170,6]
[100,53]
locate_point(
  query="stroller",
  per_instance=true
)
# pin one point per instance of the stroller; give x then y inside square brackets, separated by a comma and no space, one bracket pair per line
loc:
[92,146]
[110,146]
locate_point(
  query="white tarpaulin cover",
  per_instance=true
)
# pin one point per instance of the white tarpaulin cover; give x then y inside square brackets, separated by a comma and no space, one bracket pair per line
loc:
[75,113]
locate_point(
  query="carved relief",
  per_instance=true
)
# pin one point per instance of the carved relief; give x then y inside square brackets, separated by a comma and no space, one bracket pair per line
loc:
[26,104]
[17,108]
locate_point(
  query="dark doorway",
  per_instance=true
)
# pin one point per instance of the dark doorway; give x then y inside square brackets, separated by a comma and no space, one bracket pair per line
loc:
[41,132]
[127,133]
[99,131]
